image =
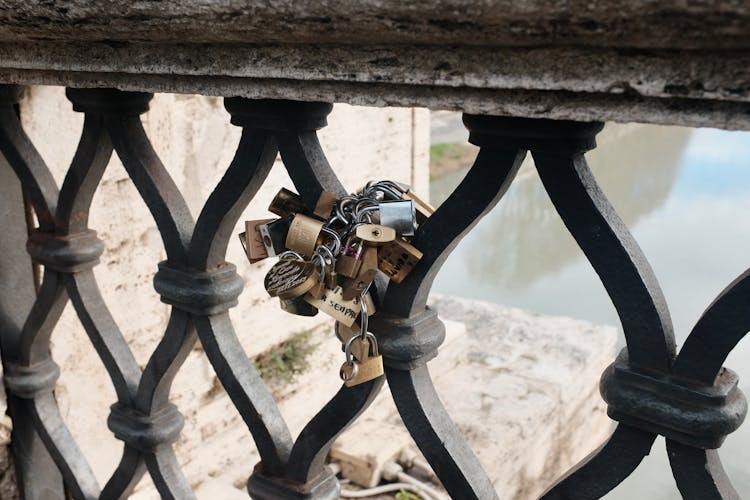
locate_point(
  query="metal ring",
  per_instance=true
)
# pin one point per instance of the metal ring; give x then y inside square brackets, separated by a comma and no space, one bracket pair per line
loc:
[342,371]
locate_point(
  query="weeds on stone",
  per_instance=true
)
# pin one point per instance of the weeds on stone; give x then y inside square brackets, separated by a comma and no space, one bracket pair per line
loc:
[280,365]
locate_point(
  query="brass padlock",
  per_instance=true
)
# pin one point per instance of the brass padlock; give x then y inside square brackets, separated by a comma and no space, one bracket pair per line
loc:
[375,234]
[287,203]
[324,206]
[333,304]
[368,269]
[397,259]
[290,278]
[399,215]
[348,263]
[252,240]
[355,372]
[298,306]
[273,235]
[304,234]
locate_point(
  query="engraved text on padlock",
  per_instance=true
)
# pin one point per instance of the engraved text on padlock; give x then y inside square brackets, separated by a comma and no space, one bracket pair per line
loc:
[290,278]
[333,304]
[397,259]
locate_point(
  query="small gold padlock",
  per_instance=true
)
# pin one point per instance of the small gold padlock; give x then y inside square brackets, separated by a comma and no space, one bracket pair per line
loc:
[354,372]
[375,234]
[348,263]
[304,233]
[397,258]
[287,203]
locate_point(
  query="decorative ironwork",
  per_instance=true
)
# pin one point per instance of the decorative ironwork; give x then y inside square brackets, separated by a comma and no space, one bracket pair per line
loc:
[651,389]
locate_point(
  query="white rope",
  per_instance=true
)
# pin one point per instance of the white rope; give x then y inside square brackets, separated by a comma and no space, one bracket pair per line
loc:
[385,488]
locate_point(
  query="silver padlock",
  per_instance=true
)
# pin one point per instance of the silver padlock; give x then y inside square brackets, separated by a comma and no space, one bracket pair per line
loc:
[399,215]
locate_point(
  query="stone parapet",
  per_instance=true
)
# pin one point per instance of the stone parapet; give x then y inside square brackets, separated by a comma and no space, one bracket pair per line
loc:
[657,62]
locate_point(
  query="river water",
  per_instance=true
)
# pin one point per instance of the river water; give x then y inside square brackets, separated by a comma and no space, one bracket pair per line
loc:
[684,194]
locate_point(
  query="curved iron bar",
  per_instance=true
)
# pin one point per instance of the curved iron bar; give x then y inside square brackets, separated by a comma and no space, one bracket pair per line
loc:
[308,165]
[699,473]
[33,350]
[175,224]
[29,167]
[436,434]
[482,188]
[77,192]
[155,185]
[77,474]
[405,352]
[720,328]
[41,405]
[247,172]
[614,255]
[36,473]
[625,274]
[604,468]
[293,125]
[307,460]
[311,173]
[260,413]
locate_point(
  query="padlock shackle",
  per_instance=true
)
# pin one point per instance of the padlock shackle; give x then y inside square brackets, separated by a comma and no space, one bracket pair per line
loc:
[373,341]
[334,237]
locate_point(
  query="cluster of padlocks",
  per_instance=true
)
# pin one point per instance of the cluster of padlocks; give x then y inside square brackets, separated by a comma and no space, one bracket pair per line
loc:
[330,255]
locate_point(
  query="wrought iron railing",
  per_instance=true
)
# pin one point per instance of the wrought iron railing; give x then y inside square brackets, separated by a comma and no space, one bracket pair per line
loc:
[651,390]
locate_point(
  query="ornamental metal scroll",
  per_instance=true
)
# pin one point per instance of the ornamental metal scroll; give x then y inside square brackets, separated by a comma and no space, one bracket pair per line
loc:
[651,390]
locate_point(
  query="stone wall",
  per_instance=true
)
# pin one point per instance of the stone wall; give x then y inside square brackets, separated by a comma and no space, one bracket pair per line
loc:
[195,141]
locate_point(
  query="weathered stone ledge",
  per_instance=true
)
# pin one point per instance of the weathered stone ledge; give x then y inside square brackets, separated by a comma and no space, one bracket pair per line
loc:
[562,105]
[673,24]
[658,62]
